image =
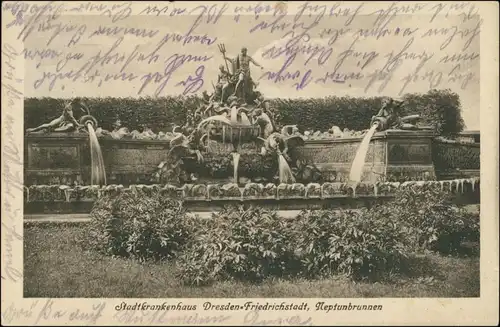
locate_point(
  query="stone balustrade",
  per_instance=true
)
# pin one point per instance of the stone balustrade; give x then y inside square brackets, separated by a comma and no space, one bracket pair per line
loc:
[251,191]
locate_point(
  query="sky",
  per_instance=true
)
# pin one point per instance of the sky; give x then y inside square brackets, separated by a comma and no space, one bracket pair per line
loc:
[341,49]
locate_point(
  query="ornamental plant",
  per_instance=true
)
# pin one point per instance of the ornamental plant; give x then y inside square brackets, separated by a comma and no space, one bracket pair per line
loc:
[436,222]
[241,243]
[356,244]
[138,226]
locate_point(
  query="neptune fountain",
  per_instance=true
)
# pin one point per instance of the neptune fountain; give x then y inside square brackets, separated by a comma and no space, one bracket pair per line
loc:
[236,125]
[230,122]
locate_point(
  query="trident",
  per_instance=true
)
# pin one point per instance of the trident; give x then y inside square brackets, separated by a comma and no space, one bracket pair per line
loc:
[222,49]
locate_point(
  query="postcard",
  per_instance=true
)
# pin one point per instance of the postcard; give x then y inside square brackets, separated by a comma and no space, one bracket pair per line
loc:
[254,163]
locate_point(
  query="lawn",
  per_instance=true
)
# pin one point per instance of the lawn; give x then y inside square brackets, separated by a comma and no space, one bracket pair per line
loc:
[56,266]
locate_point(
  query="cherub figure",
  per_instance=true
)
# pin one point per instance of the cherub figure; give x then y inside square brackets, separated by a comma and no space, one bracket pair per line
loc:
[63,123]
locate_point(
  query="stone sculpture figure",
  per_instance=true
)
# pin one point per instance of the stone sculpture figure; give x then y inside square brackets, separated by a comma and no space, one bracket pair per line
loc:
[389,116]
[64,123]
[224,82]
[263,116]
[282,142]
[264,121]
[241,69]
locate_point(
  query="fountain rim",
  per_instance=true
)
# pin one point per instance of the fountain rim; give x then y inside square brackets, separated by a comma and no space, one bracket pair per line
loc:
[238,125]
[377,136]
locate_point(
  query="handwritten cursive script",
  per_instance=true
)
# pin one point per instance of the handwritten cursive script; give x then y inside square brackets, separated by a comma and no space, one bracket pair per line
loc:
[173,63]
[45,311]
[167,317]
[384,52]
[13,313]
[12,163]
[252,319]
[386,48]
[90,316]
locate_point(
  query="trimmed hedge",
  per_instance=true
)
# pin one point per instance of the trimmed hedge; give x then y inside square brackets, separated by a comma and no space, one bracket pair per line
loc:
[440,108]
[451,156]
[134,113]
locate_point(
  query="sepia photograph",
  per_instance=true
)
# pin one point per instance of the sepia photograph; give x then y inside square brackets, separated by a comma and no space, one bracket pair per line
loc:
[248,156]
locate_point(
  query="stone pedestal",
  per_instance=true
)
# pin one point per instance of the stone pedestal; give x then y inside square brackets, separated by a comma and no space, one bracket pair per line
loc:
[409,156]
[64,158]
[57,158]
[132,161]
[392,155]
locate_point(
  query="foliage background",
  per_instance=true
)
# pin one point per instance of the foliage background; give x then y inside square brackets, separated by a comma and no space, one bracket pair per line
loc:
[452,156]
[440,108]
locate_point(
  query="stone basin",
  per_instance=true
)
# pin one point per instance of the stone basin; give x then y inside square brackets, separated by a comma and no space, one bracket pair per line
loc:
[63,158]
[237,133]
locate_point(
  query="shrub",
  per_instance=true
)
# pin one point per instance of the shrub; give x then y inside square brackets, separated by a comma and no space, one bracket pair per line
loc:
[237,243]
[322,114]
[357,244]
[252,243]
[439,108]
[138,226]
[437,224]
[451,156]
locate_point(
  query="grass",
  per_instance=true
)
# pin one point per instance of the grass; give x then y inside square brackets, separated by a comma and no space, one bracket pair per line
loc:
[56,266]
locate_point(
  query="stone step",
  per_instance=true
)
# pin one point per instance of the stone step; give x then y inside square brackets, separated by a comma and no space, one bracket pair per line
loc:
[81,218]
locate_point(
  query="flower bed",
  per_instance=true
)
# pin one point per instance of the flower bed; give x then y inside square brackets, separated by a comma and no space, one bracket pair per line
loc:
[252,243]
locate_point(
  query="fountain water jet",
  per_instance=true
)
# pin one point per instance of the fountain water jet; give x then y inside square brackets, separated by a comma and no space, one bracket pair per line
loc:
[285,173]
[244,118]
[236,160]
[359,160]
[98,170]
[234,127]
[279,143]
